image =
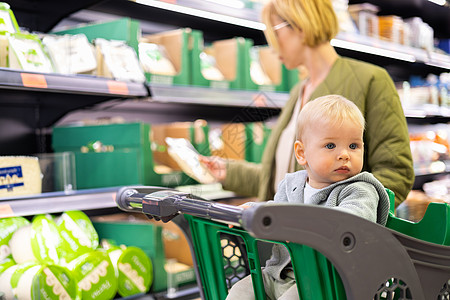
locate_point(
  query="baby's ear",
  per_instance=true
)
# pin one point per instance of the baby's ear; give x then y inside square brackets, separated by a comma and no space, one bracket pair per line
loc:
[299,151]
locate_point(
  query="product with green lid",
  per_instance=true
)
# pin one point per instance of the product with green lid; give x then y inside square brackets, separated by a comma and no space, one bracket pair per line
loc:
[5,282]
[78,235]
[8,21]
[39,241]
[95,275]
[7,228]
[134,270]
[27,53]
[34,281]
[5,264]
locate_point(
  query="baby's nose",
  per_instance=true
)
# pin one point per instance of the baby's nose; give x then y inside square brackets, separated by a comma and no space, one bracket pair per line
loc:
[343,155]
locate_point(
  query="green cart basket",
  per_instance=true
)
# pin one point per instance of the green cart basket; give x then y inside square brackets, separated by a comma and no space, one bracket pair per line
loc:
[335,255]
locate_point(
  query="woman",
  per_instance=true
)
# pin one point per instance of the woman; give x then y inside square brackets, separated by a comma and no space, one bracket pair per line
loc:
[300,31]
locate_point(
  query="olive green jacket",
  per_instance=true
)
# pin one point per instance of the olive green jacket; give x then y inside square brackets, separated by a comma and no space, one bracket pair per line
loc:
[387,153]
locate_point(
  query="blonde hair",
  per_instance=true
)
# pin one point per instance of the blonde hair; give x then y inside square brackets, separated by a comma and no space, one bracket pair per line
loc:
[332,108]
[316,18]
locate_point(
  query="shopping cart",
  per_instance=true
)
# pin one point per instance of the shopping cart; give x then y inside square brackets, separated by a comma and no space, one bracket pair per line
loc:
[335,255]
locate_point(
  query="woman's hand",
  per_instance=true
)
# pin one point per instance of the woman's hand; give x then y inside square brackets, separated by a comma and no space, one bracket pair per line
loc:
[216,165]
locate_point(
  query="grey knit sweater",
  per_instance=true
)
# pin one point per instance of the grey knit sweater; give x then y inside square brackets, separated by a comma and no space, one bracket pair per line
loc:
[362,195]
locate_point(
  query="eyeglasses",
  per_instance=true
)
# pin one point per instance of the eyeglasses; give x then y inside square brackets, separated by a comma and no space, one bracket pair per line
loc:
[281,25]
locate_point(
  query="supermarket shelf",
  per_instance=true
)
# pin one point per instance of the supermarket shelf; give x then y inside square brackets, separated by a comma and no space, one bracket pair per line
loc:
[89,199]
[137,297]
[56,202]
[431,114]
[433,168]
[216,97]
[69,84]
[430,172]
[183,293]
[370,45]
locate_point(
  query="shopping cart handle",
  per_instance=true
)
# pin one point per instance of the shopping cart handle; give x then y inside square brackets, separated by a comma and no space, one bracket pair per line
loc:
[165,204]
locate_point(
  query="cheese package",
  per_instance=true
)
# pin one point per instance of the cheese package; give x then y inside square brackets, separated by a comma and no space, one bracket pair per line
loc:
[19,175]
[39,241]
[115,59]
[95,275]
[134,269]
[154,59]
[8,21]
[34,281]
[257,72]
[71,54]
[187,157]
[27,53]
[208,67]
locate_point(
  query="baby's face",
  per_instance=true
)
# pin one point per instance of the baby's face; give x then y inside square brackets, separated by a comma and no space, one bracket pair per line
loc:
[332,153]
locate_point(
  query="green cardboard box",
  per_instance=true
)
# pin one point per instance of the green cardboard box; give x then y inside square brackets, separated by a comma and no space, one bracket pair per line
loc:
[113,155]
[244,141]
[265,59]
[176,44]
[123,29]
[232,59]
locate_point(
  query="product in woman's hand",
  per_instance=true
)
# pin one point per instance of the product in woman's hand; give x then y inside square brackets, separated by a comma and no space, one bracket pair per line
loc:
[182,151]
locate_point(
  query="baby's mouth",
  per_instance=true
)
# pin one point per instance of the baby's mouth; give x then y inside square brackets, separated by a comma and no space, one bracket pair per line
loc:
[343,168]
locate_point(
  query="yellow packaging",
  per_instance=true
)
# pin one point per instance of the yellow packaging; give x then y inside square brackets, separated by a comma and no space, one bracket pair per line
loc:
[19,175]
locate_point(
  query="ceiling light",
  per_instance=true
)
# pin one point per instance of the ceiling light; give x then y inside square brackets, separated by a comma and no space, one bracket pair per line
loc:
[203,14]
[438,2]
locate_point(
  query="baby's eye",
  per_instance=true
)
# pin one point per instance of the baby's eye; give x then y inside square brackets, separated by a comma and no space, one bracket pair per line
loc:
[330,146]
[353,146]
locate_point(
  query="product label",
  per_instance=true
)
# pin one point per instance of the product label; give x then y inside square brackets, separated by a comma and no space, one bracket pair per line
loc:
[45,240]
[224,85]
[54,282]
[135,272]
[95,275]
[116,87]
[161,79]
[266,88]
[21,269]
[78,234]
[11,177]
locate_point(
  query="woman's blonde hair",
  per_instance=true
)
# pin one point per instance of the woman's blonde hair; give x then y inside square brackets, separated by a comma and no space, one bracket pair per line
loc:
[316,18]
[334,109]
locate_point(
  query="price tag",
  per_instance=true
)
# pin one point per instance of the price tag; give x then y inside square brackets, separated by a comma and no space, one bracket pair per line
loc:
[117,87]
[6,211]
[34,80]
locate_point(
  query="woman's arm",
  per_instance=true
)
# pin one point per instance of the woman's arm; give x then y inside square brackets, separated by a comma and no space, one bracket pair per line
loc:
[388,154]
[243,178]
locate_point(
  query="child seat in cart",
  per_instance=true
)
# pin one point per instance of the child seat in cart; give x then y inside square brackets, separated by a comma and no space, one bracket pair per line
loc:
[335,255]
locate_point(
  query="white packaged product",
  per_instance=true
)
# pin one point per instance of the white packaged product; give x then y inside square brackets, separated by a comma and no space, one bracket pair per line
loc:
[119,61]
[154,59]
[5,282]
[39,241]
[26,53]
[20,175]
[208,67]
[182,151]
[7,228]
[6,24]
[257,73]
[33,281]
[71,54]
